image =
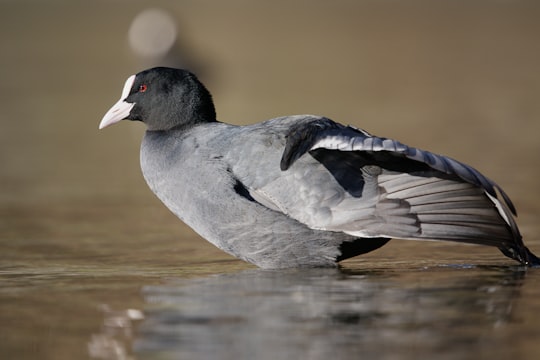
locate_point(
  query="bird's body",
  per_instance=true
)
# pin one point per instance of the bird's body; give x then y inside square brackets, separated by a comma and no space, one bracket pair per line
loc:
[302,190]
[213,179]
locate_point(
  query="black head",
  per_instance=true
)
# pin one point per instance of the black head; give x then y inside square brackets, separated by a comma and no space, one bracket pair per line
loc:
[163,98]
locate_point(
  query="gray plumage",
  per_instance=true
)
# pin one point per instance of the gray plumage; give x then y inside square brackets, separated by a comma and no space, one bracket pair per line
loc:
[303,190]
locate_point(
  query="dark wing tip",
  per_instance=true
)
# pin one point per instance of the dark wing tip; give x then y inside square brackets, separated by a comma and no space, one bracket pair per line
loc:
[521,254]
[532,260]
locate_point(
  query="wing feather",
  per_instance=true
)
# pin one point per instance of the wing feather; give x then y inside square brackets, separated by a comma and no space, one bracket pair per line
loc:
[383,188]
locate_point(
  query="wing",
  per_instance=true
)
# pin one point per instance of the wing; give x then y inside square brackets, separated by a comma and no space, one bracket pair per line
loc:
[347,180]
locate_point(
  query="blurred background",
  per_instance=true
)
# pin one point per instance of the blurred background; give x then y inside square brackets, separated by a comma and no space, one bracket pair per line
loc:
[456,77]
[459,78]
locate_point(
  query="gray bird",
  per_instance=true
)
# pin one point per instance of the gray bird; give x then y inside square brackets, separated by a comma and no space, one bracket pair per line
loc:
[303,191]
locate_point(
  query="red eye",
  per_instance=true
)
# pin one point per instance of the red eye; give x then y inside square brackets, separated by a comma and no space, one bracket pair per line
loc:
[142,88]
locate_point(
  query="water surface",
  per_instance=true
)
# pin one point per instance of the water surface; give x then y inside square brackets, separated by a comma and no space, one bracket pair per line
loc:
[450,312]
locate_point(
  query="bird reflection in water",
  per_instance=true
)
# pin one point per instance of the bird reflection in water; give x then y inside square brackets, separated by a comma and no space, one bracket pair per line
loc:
[319,313]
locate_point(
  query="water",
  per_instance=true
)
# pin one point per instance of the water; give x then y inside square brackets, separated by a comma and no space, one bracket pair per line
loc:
[452,311]
[93,266]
